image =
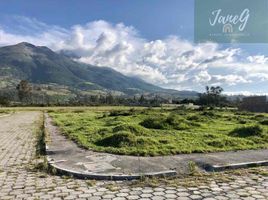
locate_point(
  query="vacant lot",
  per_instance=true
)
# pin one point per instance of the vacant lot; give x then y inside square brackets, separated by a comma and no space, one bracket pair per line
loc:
[151,132]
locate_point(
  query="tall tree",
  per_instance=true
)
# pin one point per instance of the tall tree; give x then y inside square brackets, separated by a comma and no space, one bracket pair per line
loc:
[24,91]
[212,96]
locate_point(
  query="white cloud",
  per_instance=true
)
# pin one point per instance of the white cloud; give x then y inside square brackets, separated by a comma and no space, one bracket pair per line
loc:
[230,79]
[170,62]
[202,77]
[259,59]
[247,93]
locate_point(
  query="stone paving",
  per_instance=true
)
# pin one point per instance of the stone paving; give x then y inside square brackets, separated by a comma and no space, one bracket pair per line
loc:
[19,181]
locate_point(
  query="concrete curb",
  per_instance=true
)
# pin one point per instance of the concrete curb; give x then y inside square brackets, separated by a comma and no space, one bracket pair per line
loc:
[85,175]
[218,168]
[113,177]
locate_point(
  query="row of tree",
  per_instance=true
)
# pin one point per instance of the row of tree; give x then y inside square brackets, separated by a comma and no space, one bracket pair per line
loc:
[25,95]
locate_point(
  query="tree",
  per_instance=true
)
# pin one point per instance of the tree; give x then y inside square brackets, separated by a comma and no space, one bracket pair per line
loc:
[142,99]
[110,100]
[212,96]
[24,91]
[4,101]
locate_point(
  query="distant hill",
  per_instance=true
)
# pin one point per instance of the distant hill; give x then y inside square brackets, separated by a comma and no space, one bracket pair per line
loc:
[41,65]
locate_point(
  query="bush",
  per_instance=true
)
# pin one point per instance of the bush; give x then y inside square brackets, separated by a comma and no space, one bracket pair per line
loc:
[196,118]
[201,108]
[242,121]
[154,123]
[245,113]
[171,122]
[221,143]
[115,113]
[264,122]
[209,114]
[247,131]
[4,101]
[146,142]
[193,118]
[118,140]
[182,126]
[259,116]
[135,129]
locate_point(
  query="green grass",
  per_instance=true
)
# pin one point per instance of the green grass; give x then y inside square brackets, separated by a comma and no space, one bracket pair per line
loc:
[4,112]
[151,132]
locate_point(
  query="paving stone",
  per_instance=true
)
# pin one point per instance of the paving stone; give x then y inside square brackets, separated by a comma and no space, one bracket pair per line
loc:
[132,197]
[108,196]
[195,196]
[170,191]
[171,196]
[183,194]
[158,193]
[146,195]
[183,198]
[158,198]
[122,194]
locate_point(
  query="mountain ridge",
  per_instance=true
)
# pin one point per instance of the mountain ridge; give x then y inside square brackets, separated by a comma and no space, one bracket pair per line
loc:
[41,65]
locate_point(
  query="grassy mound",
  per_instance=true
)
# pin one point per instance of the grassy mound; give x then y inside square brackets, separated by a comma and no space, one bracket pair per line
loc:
[247,131]
[120,139]
[155,123]
[264,122]
[173,121]
[132,128]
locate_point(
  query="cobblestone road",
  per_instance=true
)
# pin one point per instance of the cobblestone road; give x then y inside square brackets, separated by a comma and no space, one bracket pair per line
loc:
[19,181]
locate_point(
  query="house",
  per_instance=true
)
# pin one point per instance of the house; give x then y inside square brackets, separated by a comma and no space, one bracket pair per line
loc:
[255,104]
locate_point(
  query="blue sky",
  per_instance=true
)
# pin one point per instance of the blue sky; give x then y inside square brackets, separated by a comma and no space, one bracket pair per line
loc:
[151,39]
[170,16]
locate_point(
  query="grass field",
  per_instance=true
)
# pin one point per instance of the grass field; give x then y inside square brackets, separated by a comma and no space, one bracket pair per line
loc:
[151,132]
[4,112]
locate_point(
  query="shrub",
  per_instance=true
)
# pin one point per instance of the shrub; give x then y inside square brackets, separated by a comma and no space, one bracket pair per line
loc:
[201,108]
[264,122]
[209,114]
[135,129]
[172,119]
[221,143]
[118,140]
[114,113]
[247,131]
[193,118]
[242,121]
[154,123]
[196,118]
[259,116]
[171,122]
[146,142]
[245,113]
[181,126]
[177,122]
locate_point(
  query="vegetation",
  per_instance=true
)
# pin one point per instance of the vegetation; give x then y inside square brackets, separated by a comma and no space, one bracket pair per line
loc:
[159,131]
[212,97]
[24,91]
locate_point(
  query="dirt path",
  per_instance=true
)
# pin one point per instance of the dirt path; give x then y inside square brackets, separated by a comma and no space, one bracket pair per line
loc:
[18,181]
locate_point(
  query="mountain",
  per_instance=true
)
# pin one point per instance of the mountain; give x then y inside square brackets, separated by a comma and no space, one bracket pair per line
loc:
[41,65]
